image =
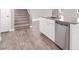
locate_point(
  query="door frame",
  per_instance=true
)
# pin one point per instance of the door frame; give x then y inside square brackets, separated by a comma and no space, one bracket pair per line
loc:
[12,19]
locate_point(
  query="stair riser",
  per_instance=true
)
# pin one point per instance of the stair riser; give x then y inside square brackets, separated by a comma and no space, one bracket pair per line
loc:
[21,14]
[21,11]
[22,19]
[17,15]
[22,23]
[22,28]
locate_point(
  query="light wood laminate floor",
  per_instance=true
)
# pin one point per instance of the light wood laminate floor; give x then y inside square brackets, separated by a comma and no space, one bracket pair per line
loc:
[26,39]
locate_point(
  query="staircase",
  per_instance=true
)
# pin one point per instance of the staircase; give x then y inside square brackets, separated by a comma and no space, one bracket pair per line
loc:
[22,19]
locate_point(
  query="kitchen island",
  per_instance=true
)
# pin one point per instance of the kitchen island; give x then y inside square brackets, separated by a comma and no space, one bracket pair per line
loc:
[64,32]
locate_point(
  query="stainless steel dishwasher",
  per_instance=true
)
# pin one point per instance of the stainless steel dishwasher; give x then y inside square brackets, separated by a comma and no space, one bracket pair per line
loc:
[62,33]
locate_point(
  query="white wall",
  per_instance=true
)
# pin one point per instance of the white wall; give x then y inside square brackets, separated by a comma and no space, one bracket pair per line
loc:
[0,21]
[5,20]
[69,12]
[0,24]
[36,13]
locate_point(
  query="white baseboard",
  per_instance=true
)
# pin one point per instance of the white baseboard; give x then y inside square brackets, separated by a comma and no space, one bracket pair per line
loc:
[36,19]
[30,26]
[12,30]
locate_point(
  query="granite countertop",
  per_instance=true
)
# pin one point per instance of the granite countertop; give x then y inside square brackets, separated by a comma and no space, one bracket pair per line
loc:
[64,21]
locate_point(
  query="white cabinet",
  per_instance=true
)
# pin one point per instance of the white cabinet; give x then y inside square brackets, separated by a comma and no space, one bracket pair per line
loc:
[47,27]
[74,36]
[5,20]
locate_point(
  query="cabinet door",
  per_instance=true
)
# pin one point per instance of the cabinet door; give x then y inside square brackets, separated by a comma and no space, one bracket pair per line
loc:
[52,30]
[47,27]
[5,20]
[43,26]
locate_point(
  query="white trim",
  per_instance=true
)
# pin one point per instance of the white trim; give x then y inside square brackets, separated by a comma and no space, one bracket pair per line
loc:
[35,19]
[12,19]
[77,11]
[62,18]
[30,26]
[12,30]
[0,37]
[77,19]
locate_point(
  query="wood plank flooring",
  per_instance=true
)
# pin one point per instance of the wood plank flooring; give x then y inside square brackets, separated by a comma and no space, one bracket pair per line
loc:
[26,39]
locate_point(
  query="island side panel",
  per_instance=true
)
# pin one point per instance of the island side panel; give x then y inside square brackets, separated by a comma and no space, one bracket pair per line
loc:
[74,36]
